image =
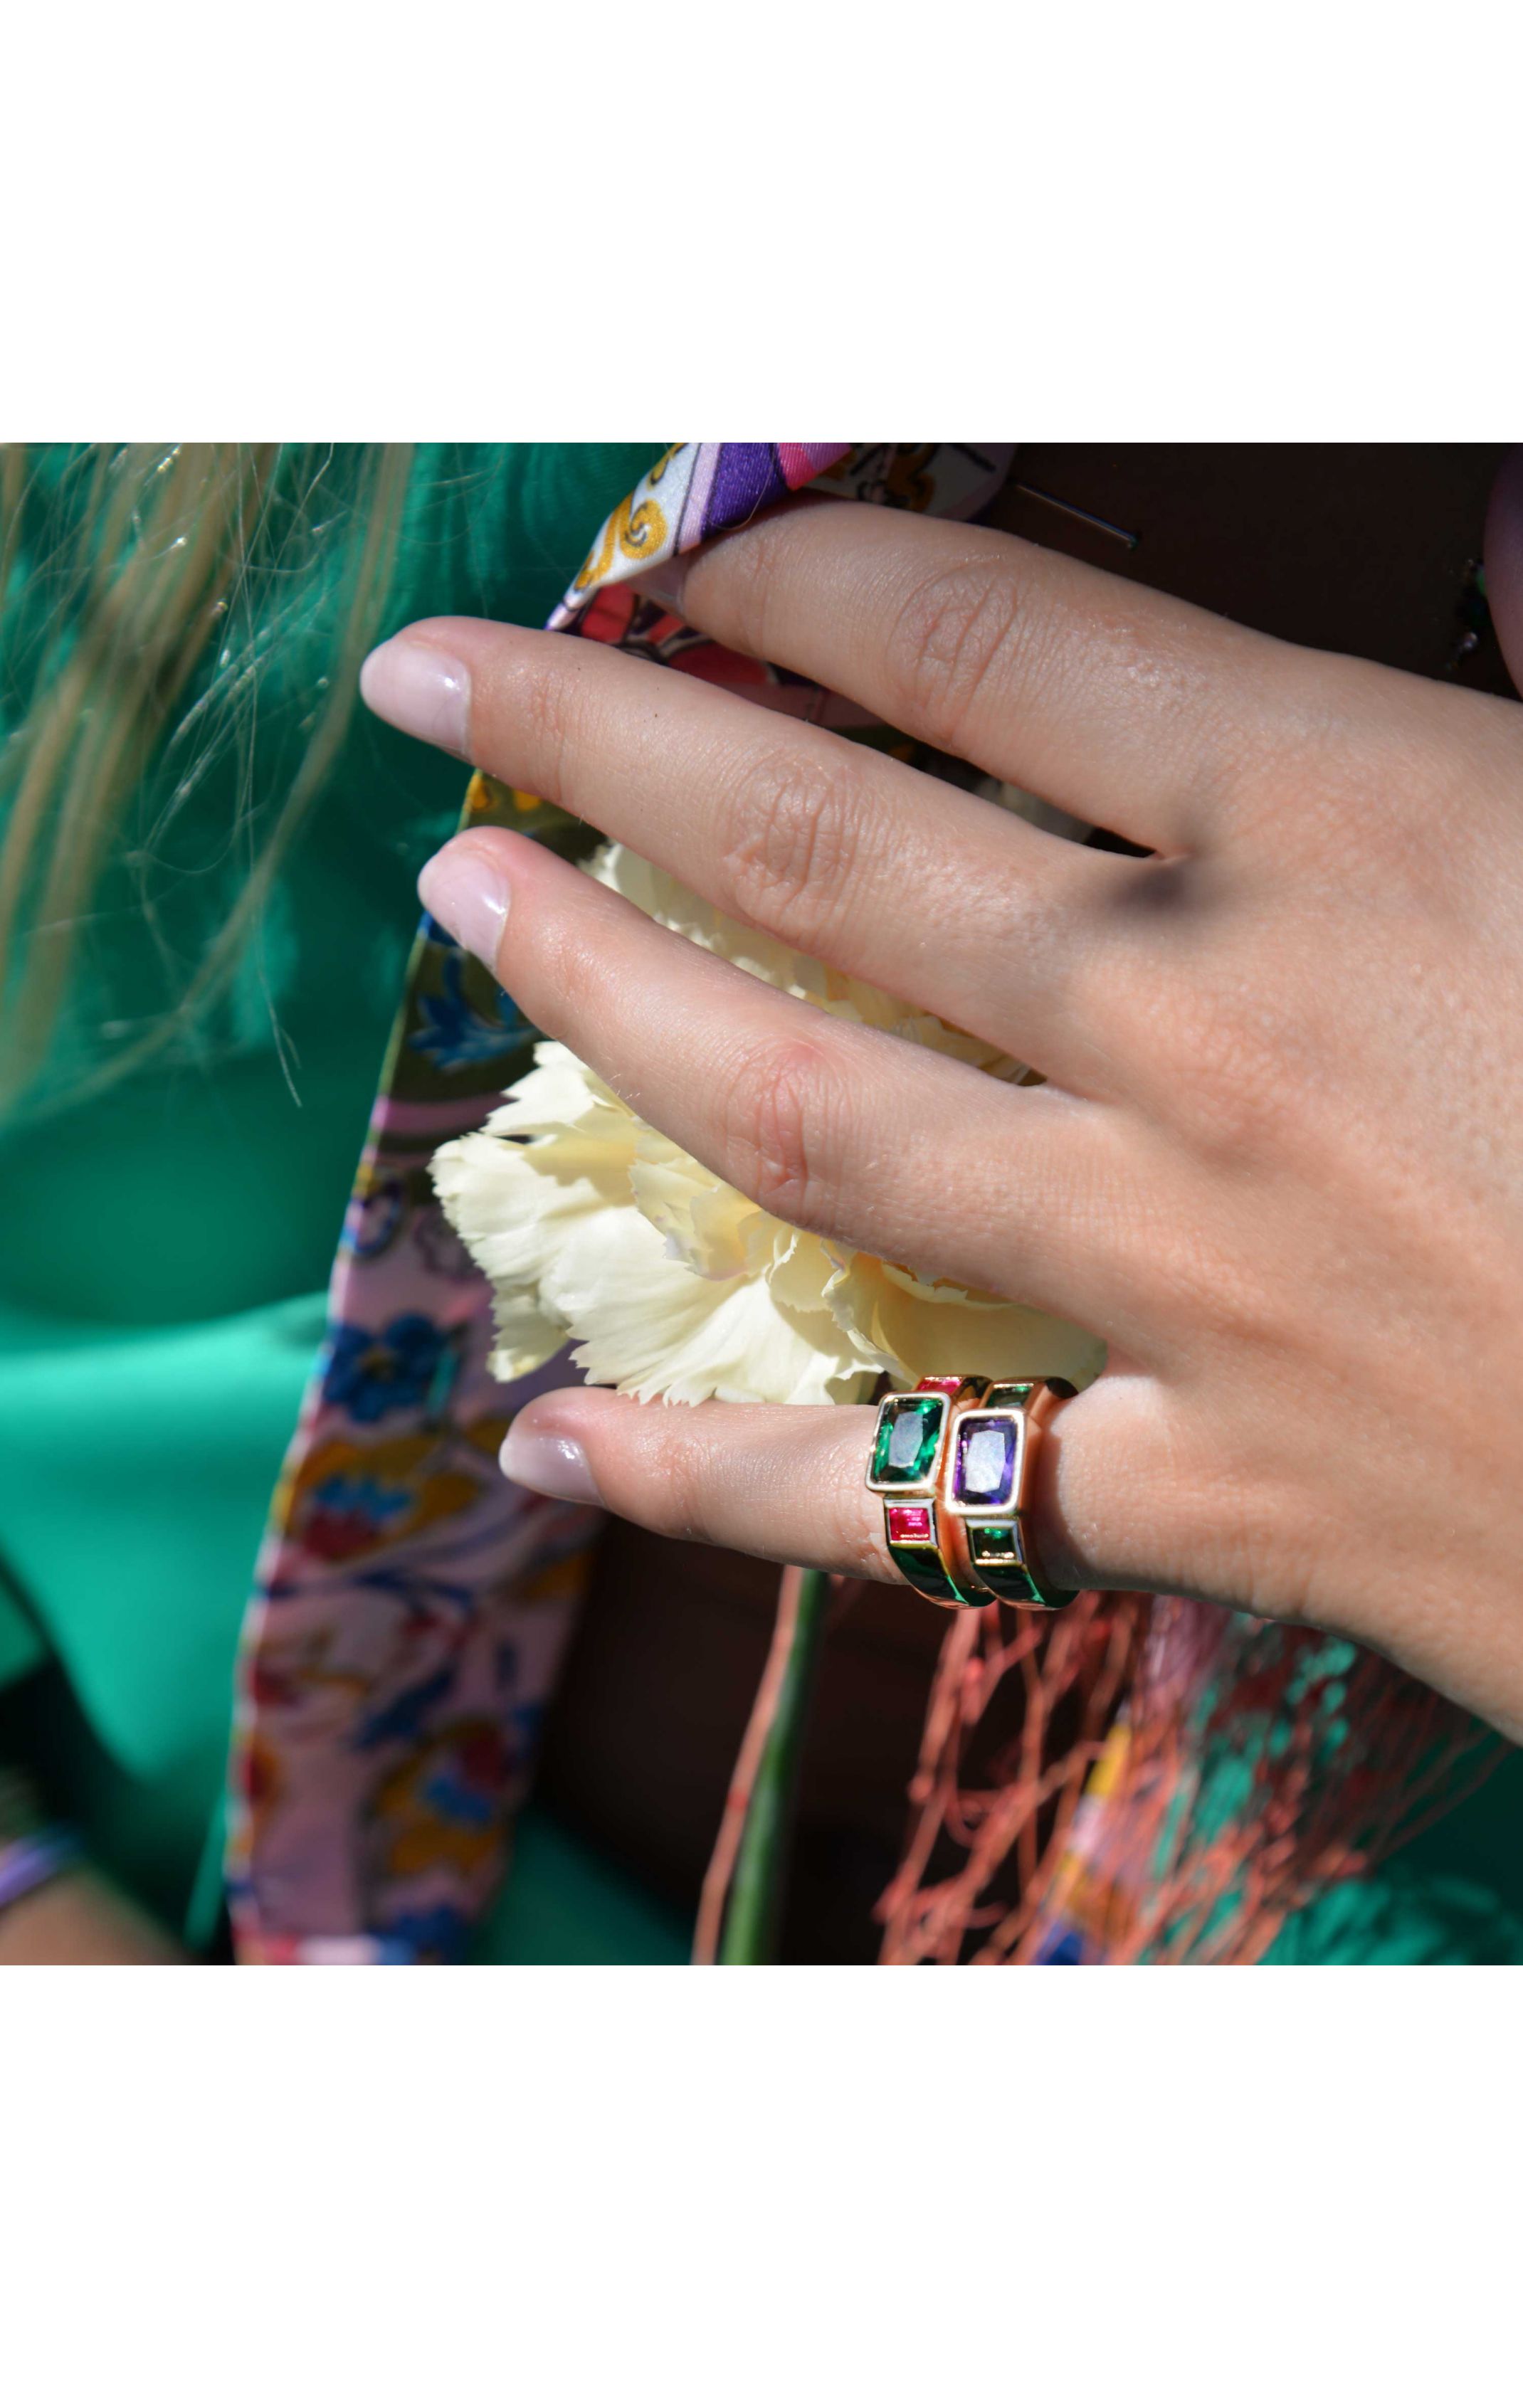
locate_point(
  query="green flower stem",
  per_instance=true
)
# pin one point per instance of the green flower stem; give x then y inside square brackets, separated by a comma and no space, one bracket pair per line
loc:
[756,1900]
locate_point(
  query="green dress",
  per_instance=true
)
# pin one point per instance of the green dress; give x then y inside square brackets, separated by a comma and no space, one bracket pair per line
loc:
[165,1249]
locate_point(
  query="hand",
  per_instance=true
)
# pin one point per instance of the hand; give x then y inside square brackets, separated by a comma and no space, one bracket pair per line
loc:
[1278,1163]
[77,1918]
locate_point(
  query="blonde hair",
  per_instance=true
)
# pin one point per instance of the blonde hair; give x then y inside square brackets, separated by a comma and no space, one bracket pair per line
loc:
[140,596]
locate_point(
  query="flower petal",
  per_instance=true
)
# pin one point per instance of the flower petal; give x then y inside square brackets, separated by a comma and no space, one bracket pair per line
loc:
[590,1225]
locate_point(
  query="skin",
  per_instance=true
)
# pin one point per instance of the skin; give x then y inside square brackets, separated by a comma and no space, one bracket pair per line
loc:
[1278,1161]
[81,1919]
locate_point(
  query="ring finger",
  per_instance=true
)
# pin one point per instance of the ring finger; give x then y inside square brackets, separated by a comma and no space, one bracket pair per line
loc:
[786,1481]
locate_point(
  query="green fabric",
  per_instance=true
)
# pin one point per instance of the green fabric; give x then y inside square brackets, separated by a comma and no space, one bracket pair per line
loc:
[563,1906]
[164,1248]
[164,1251]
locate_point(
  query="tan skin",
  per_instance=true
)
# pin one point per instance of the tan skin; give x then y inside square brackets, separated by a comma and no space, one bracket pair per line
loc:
[1278,1163]
[1360,548]
[81,1919]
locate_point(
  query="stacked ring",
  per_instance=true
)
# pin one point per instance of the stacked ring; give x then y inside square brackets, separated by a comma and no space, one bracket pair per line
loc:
[953,1461]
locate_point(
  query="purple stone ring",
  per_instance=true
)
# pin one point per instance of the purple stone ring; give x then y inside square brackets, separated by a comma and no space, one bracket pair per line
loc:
[951,1461]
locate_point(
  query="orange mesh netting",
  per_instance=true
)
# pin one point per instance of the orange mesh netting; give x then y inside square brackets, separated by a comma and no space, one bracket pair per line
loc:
[1149,1779]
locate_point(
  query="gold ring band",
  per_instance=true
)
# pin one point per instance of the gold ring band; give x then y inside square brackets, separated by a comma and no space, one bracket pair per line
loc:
[953,1462]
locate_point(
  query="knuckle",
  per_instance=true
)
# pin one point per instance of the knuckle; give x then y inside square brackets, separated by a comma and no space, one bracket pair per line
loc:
[558,955]
[792,839]
[546,708]
[776,1121]
[739,580]
[687,1486]
[751,573]
[663,1478]
[1232,1064]
[955,633]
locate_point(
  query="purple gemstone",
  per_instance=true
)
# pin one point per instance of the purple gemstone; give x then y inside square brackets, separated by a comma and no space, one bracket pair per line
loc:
[985,1460]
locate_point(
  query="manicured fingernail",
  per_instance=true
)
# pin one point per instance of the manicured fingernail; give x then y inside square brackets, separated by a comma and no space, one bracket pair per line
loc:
[551,1465]
[464,888]
[664,582]
[420,690]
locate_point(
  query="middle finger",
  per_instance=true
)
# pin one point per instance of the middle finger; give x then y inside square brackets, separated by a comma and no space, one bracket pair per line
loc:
[850,1132]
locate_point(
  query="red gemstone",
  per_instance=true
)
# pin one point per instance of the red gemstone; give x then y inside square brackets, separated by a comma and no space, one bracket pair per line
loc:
[941,1387]
[909,1523]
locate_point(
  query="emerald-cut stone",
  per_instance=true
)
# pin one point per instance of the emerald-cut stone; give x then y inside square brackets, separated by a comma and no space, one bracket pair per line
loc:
[984,1472]
[909,1435]
[911,1526]
[1010,1392]
[996,1544]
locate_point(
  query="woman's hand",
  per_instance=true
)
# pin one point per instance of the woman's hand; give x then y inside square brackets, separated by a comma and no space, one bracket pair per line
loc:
[1278,1163]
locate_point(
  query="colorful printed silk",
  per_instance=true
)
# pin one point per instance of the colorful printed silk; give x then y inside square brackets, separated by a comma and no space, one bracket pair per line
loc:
[411,1609]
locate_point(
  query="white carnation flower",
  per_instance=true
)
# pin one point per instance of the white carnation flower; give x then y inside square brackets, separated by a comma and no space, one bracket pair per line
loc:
[672,1284]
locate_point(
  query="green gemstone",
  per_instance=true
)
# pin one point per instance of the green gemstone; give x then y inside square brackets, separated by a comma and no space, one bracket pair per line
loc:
[924,1570]
[1009,1392]
[909,1434]
[998,1553]
[995,1543]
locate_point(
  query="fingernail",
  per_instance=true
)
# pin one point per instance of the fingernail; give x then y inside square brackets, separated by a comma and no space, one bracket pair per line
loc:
[420,690]
[464,888]
[551,1465]
[664,582]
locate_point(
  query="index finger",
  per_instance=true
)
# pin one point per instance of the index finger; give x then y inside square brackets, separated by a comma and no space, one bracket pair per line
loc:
[1122,704]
